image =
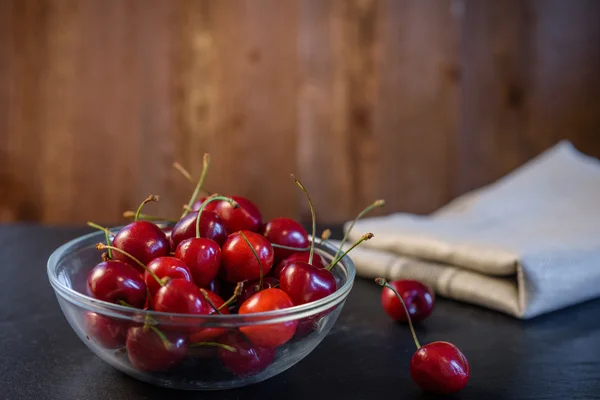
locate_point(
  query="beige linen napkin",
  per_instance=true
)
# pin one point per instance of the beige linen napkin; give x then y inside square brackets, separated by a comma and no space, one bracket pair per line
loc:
[525,245]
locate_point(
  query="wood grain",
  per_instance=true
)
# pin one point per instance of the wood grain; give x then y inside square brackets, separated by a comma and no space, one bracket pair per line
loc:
[412,101]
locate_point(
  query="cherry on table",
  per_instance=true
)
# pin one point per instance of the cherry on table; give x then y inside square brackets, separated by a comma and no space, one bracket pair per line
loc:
[285,232]
[269,335]
[165,267]
[418,297]
[238,261]
[247,359]
[438,367]
[105,331]
[151,350]
[142,239]
[117,281]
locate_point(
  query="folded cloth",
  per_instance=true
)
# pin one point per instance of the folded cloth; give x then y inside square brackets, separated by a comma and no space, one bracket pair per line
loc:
[525,245]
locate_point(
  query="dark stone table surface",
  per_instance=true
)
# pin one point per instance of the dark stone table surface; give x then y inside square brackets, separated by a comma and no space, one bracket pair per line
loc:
[366,355]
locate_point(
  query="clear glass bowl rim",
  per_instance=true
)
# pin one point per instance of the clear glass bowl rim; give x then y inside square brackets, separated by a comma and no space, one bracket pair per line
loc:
[123,312]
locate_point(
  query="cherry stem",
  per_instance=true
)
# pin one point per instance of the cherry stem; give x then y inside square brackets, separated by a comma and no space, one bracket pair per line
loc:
[312,213]
[186,174]
[147,217]
[214,344]
[162,337]
[102,246]
[336,260]
[183,171]
[235,295]
[209,301]
[280,246]
[106,234]
[383,282]
[369,208]
[210,199]
[325,236]
[260,280]
[126,304]
[147,200]
[205,165]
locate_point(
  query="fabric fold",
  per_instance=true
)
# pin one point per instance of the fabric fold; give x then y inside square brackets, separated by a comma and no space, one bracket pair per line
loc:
[524,245]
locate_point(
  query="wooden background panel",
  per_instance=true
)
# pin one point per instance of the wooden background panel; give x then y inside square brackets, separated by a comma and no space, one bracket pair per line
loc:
[413,101]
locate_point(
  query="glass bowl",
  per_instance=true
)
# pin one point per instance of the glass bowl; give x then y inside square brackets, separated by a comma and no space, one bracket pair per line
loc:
[104,327]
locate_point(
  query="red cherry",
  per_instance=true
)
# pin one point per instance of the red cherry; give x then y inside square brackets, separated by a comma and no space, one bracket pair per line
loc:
[215,286]
[117,281]
[198,203]
[317,261]
[164,267]
[269,335]
[285,232]
[418,297]
[211,227]
[210,334]
[180,296]
[147,351]
[143,240]
[440,367]
[203,257]
[305,283]
[246,217]
[252,287]
[248,359]
[437,367]
[239,263]
[105,331]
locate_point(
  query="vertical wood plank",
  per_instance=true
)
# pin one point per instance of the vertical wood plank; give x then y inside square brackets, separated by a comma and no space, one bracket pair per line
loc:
[24,142]
[324,148]
[249,127]
[418,103]
[58,97]
[8,201]
[564,100]
[494,104]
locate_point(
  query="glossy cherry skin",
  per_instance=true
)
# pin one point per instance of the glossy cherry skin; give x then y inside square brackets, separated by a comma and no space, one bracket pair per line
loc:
[143,240]
[248,358]
[251,288]
[147,352]
[210,334]
[269,335]
[211,227]
[209,207]
[286,232]
[239,263]
[440,367]
[116,281]
[203,258]
[418,297]
[181,297]
[317,261]
[246,217]
[165,267]
[305,283]
[107,332]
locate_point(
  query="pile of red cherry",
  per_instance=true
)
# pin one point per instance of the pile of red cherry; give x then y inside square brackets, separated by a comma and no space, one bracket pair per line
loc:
[219,249]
